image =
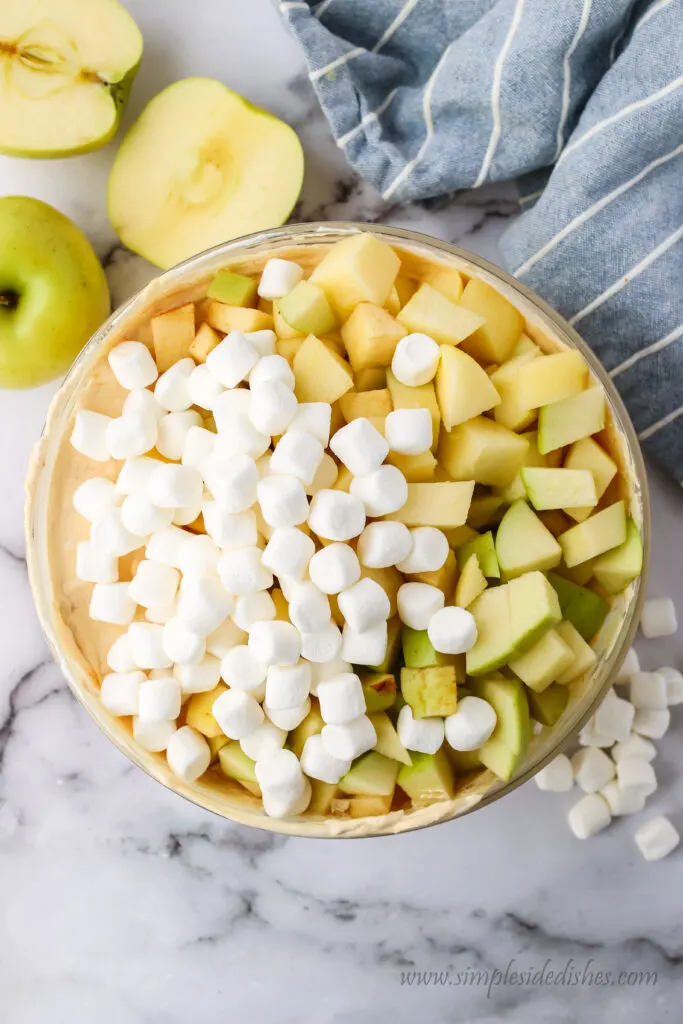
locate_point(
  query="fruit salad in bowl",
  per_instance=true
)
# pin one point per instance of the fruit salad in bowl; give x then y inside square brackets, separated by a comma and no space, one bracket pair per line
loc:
[338,532]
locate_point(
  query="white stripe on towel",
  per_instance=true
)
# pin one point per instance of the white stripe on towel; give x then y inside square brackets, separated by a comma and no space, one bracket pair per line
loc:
[321,8]
[407,9]
[336,63]
[652,10]
[664,422]
[567,74]
[374,115]
[650,350]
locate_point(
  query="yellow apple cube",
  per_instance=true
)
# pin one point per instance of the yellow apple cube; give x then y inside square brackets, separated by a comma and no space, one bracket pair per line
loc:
[205,341]
[549,379]
[443,579]
[430,312]
[370,335]
[282,328]
[361,268]
[237,318]
[463,389]
[172,335]
[320,374]
[443,505]
[288,347]
[372,379]
[509,413]
[415,468]
[502,323]
[588,454]
[599,533]
[446,280]
[368,404]
[471,584]
[199,714]
[483,451]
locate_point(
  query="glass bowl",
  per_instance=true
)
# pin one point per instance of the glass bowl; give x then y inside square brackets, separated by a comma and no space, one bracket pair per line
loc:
[305,242]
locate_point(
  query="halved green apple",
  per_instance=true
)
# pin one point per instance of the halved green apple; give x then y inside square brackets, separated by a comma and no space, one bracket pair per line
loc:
[199,167]
[66,68]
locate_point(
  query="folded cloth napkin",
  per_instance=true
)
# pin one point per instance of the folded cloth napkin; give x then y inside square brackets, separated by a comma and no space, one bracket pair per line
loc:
[582,101]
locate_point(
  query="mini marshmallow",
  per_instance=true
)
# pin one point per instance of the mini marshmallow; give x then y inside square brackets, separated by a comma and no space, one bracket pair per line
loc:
[636,773]
[309,608]
[322,671]
[287,686]
[283,500]
[317,763]
[251,608]
[270,369]
[381,492]
[237,713]
[288,718]
[165,545]
[229,529]
[263,341]
[652,724]
[658,618]
[278,278]
[120,657]
[159,700]
[110,602]
[348,741]
[409,431]
[273,405]
[366,648]
[172,486]
[325,475]
[415,360]
[198,555]
[673,681]
[424,735]
[341,699]
[657,838]
[153,736]
[359,446]
[203,603]
[229,406]
[199,444]
[556,777]
[182,646]
[288,552]
[648,690]
[111,536]
[173,430]
[429,550]
[592,769]
[120,692]
[275,643]
[263,464]
[629,665]
[162,613]
[614,717]
[364,605]
[313,418]
[232,359]
[241,439]
[242,669]
[153,584]
[135,475]
[93,565]
[171,389]
[223,639]
[188,754]
[232,481]
[204,387]
[89,435]
[199,678]
[589,816]
[242,571]
[622,801]
[590,737]
[141,517]
[634,746]
[277,807]
[471,725]
[142,400]
[133,365]
[297,454]
[263,741]
[381,545]
[323,645]
[452,630]
[187,514]
[418,603]
[334,568]
[335,515]
[279,773]
[94,498]
[132,435]
[147,647]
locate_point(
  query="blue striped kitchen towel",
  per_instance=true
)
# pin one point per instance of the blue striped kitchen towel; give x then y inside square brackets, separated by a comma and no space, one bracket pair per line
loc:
[582,102]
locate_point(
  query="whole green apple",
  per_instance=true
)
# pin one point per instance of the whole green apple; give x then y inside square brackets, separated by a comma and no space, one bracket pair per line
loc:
[53,292]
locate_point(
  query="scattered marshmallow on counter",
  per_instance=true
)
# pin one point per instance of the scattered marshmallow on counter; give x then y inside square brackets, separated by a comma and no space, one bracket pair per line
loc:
[89,435]
[674,685]
[592,769]
[614,718]
[452,630]
[636,773]
[428,552]
[656,838]
[381,545]
[188,753]
[652,724]
[133,365]
[590,737]
[658,618]
[359,446]
[556,777]
[648,690]
[383,491]
[278,278]
[409,431]
[471,725]
[415,360]
[418,603]
[424,735]
[629,666]
[334,568]
[634,746]
[622,802]
[589,816]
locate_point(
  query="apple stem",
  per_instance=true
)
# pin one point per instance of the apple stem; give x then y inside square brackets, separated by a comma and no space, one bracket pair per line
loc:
[9,299]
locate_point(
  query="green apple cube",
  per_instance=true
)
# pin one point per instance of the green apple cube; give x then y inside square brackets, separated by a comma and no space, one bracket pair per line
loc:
[232,289]
[388,742]
[534,609]
[429,778]
[582,607]
[543,663]
[601,532]
[471,583]
[482,450]
[558,488]
[371,775]
[523,543]
[619,567]
[584,655]
[430,692]
[235,763]
[485,550]
[307,310]
[418,651]
[508,743]
[508,412]
[539,382]
[493,647]
[312,724]
[533,457]
[588,454]
[548,706]
[569,420]
[379,689]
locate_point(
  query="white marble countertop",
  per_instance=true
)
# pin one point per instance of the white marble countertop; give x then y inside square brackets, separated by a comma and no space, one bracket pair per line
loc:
[122,904]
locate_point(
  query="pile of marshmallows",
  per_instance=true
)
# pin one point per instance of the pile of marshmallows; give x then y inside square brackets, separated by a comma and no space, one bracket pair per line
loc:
[620,782]
[209,614]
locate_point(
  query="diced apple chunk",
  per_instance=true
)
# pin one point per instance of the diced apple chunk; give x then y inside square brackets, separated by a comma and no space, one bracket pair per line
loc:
[508,412]
[422,397]
[471,583]
[483,451]
[558,488]
[388,742]
[571,419]
[282,328]
[502,323]
[370,335]
[236,318]
[543,663]
[288,347]
[172,335]
[372,379]
[505,748]
[361,268]
[463,389]
[493,647]
[588,454]
[417,469]
[435,504]
[232,289]
[446,280]
[534,609]
[524,544]
[443,579]
[430,312]
[204,342]
[599,533]
[549,379]
[428,779]
[619,567]
[307,310]
[320,374]
[584,655]
[368,404]
[485,510]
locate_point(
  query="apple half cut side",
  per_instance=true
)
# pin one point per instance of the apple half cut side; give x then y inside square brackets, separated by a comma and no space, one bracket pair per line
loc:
[199,167]
[66,68]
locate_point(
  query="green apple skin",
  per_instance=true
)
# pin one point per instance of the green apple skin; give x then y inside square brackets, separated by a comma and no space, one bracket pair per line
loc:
[53,292]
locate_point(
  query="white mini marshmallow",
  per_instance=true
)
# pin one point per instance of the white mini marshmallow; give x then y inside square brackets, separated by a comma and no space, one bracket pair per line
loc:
[334,568]
[224,638]
[153,736]
[142,400]
[323,645]
[95,497]
[263,341]
[263,741]
[366,648]
[317,763]
[182,646]
[164,546]
[673,681]
[204,387]
[297,454]
[120,657]
[232,359]
[325,475]
[93,565]
[131,435]
[270,369]
[198,555]
[242,571]
[153,584]
[273,406]
[589,816]
[173,430]
[652,724]
[614,717]
[232,481]
[162,613]
[147,647]
[341,699]
[110,602]
[313,418]
[364,605]
[135,475]
[590,737]
[622,801]
[648,690]
[288,552]
[275,643]
[133,365]
[556,777]
[229,529]
[188,754]
[89,435]
[418,603]
[187,514]
[199,444]
[241,439]
[348,741]
[288,718]
[237,713]
[120,692]
[409,431]
[159,700]
[283,500]
[359,446]
[199,678]
[171,389]
[252,608]
[203,604]
[309,608]
[636,773]
[415,360]
[452,630]
[335,515]
[471,725]
[381,492]
[429,550]
[278,278]
[629,665]
[424,735]
[111,536]
[172,486]
[322,671]
[288,807]
[656,838]
[241,668]
[383,544]
[658,618]
[141,517]
[634,746]
[280,775]
[288,686]
[592,769]
[229,406]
